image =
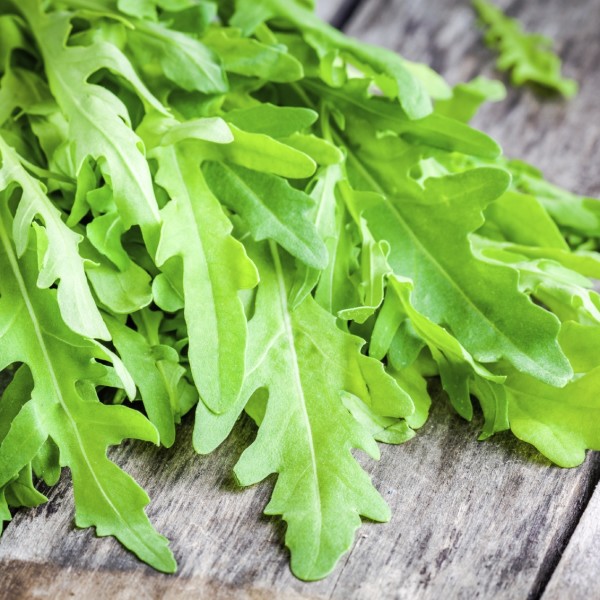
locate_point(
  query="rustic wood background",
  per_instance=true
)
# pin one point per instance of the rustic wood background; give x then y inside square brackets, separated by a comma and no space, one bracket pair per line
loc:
[471,519]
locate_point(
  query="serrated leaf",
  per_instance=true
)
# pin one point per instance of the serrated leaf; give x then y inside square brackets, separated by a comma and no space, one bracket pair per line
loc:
[64,407]
[528,57]
[99,125]
[306,433]
[388,69]
[481,303]
[61,261]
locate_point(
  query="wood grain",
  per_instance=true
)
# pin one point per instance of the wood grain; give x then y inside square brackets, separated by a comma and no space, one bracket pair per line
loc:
[327,9]
[576,576]
[470,519]
[560,137]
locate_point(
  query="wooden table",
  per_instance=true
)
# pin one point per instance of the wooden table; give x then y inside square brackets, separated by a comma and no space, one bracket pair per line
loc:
[471,519]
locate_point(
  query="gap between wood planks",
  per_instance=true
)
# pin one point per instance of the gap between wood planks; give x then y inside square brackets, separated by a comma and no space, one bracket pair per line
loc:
[550,562]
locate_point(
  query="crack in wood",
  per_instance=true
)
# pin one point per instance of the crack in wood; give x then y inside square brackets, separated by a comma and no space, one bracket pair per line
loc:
[550,562]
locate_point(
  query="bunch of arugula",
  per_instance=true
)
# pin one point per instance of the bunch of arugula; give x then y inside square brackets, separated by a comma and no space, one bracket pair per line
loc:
[234,207]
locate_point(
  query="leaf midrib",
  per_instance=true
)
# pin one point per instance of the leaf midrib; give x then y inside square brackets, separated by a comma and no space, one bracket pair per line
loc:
[289,334]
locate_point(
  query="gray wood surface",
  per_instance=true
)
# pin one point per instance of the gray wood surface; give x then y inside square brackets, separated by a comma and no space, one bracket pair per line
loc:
[327,9]
[562,138]
[577,575]
[470,519]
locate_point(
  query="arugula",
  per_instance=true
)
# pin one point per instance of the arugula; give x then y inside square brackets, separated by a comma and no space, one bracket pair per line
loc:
[305,433]
[228,207]
[528,56]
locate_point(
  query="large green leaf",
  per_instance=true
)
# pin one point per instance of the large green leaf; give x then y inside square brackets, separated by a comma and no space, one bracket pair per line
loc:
[304,361]
[64,407]
[215,269]
[480,303]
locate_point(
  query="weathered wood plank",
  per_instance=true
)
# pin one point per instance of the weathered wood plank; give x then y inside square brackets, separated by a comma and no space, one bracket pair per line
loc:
[576,576]
[327,9]
[560,137]
[470,519]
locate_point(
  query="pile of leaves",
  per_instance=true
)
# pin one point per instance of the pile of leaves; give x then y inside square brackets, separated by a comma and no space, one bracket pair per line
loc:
[229,207]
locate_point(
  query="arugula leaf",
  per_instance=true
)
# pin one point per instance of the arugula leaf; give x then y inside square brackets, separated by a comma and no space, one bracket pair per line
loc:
[98,121]
[468,97]
[184,60]
[251,58]
[561,424]
[64,407]
[215,268]
[434,130]
[455,288]
[571,212]
[305,433]
[57,247]
[271,208]
[388,69]
[527,56]
[155,370]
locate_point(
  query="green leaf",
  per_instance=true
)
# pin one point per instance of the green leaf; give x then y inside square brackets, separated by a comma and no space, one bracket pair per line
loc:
[468,97]
[383,429]
[434,130]
[57,246]
[574,213]
[271,208]
[274,121]
[123,292]
[494,404]
[64,407]
[185,61]
[215,268]
[528,57]
[333,283]
[251,58]
[479,302]
[560,423]
[306,433]
[522,219]
[388,69]
[99,125]
[263,153]
[157,373]
[569,295]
